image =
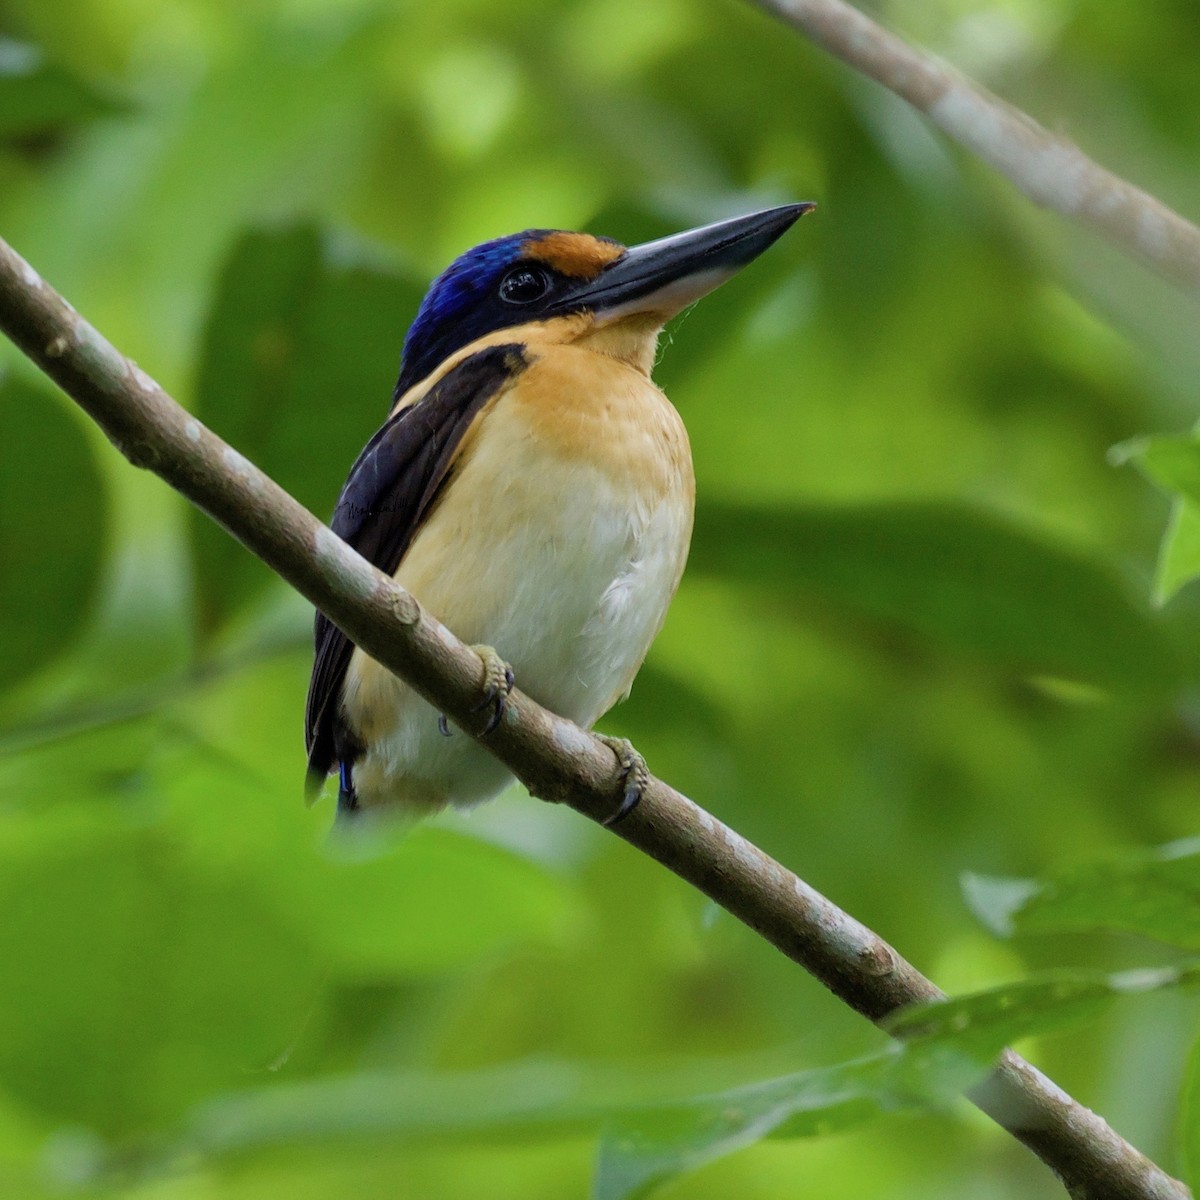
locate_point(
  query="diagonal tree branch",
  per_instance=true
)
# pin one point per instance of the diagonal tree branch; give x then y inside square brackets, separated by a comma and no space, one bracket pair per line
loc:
[555,759]
[1052,171]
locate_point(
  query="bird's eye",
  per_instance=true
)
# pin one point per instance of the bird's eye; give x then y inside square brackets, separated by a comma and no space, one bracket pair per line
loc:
[524,285]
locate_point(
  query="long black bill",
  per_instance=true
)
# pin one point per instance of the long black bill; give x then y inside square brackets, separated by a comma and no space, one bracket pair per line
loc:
[667,275]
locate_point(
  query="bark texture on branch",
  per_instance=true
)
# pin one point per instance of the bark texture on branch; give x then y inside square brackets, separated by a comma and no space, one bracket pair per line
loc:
[555,759]
[1051,170]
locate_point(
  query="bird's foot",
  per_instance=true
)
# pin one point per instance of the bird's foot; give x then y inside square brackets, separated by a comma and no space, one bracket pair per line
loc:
[498,681]
[635,776]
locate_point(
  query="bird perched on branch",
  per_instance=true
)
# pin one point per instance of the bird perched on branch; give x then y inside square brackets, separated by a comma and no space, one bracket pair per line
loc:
[533,488]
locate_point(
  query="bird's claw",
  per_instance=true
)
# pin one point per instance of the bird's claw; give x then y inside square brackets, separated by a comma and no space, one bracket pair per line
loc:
[498,682]
[635,776]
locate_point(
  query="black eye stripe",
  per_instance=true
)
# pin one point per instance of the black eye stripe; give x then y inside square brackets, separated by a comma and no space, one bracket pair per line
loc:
[524,285]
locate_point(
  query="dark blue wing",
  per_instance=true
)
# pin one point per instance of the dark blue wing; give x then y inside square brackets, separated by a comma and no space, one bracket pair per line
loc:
[390,491]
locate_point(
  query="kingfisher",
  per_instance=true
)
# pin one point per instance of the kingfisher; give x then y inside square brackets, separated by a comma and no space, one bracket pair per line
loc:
[533,488]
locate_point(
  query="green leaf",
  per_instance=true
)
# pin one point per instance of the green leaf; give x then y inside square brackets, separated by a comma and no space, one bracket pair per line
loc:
[544,1097]
[527,1097]
[995,901]
[53,527]
[1172,462]
[979,1025]
[1156,895]
[37,97]
[300,354]
[946,1047]
[983,1023]
[1179,551]
[135,983]
[960,578]
[643,1149]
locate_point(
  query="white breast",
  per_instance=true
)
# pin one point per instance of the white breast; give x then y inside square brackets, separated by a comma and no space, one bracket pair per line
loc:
[564,561]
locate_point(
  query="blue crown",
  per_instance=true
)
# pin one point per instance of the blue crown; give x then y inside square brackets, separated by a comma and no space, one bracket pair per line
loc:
[456,309]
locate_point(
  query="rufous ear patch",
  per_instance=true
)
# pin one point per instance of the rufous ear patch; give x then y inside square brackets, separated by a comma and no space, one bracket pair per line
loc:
[577,255]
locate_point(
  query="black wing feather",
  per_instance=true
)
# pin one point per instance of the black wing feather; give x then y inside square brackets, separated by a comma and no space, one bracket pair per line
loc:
[390,491]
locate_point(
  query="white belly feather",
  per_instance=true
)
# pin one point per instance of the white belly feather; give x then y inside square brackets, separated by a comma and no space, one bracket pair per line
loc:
[565,564]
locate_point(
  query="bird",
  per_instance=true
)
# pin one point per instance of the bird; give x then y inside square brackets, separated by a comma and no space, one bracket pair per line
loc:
[534,489]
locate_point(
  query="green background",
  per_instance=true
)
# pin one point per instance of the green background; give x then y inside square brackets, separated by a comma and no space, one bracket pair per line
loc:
[917,641]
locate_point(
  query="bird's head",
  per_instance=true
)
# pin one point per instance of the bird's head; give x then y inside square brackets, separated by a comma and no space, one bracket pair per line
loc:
[543,274]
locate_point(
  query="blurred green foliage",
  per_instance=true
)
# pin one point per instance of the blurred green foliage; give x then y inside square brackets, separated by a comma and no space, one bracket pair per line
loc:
[918,640]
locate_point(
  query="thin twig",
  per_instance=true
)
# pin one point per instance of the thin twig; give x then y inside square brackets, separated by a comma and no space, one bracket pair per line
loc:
[555,759]
[1051,170]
